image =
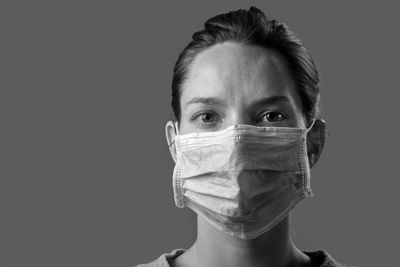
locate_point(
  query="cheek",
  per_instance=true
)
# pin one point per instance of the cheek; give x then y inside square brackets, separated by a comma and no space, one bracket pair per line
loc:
[299,115]
[298,119]
[185,125]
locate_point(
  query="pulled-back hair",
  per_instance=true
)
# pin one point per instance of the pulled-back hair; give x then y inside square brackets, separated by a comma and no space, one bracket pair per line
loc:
[253,28]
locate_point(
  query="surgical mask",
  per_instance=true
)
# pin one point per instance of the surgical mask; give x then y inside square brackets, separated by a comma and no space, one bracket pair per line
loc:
[244,179]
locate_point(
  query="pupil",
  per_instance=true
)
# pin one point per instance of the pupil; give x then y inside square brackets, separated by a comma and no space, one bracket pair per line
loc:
[273,116]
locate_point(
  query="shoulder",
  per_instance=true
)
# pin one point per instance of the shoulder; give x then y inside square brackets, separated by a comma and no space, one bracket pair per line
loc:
[324,259]
[163,260]
[320,257]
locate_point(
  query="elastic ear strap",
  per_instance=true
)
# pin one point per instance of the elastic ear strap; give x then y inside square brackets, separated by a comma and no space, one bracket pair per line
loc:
[311,125]
[176,129]
[173,142]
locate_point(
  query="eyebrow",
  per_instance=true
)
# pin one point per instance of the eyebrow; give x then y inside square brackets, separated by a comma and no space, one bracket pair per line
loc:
[206,100]
[266,101]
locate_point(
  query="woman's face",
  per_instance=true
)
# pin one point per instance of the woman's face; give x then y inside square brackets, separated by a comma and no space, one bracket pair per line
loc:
[233,83]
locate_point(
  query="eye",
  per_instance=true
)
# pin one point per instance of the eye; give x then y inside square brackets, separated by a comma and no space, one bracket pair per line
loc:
[273,116]
[206,117]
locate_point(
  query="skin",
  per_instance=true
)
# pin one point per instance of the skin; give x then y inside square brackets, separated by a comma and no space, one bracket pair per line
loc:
[225,86]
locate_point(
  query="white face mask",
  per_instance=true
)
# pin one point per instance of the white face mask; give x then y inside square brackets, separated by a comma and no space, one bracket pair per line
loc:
[244,179]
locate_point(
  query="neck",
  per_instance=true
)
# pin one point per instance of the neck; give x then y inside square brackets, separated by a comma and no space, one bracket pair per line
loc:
[215,248]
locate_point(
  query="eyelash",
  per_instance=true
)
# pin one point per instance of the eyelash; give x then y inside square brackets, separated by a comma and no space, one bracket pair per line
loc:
[197,115]
[284,116]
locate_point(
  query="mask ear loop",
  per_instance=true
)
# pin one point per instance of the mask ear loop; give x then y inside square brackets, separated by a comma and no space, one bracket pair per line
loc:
[173,142]
[310,127]
[176,133]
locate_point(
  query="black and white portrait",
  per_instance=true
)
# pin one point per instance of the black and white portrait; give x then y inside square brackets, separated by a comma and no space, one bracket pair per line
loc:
[199,134]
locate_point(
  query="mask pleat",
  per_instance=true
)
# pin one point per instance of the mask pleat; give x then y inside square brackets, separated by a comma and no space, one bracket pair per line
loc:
[242,179]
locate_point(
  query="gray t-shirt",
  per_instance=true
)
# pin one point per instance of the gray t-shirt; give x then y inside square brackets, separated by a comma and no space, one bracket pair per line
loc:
[321,257]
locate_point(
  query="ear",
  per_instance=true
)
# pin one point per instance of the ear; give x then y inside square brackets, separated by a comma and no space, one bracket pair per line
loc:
[170,135]
[315,141]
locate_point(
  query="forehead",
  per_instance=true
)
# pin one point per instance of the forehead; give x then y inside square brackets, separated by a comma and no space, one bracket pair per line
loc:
[238,72]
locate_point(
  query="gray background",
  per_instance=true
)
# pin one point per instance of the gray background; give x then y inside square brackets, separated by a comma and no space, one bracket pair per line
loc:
[85,173]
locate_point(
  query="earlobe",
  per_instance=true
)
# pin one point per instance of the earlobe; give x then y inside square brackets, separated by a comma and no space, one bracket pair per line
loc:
[170,136]
[316,141]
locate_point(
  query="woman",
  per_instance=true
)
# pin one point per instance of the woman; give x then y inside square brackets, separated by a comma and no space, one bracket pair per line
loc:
[245,96]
